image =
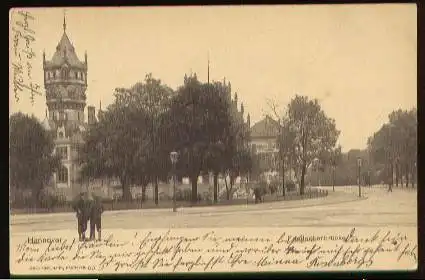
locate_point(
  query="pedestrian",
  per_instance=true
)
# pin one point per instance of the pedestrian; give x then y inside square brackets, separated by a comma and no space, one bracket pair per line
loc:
[80,207]
[96,218]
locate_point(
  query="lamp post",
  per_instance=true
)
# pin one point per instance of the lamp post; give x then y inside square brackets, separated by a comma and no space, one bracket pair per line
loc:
[174,157]
[283,175]
[359,165]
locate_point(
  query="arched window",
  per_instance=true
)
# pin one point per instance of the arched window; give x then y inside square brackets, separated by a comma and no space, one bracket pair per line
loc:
[65,73]
[63,175]
[60,134]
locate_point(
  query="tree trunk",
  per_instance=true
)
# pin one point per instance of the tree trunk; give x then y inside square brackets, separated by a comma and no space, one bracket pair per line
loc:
[283,177]
[126,192]
[156,195]
[227,188]
[215,187]
[397,174]
[406,174]
[36,197]
[413,178]
[194,181]
[144,193]
[302,187]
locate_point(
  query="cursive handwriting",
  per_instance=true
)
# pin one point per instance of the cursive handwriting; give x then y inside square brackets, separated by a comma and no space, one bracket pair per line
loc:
[171,251]
[23,38]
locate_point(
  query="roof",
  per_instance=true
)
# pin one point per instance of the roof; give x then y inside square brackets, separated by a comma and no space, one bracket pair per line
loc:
[65,52]
[267,127]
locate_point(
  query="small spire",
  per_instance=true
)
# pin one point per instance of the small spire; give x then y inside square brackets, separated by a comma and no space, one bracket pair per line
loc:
[100,105]
[64,21]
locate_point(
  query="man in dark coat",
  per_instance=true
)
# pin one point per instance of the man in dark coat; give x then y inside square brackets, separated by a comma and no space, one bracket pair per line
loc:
[96,218]
[82,208]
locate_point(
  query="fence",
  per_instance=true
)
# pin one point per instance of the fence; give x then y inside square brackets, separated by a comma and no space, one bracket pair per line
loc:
[55,205]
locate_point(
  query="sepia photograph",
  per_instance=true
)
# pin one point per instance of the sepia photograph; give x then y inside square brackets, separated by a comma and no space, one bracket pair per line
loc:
[213,139]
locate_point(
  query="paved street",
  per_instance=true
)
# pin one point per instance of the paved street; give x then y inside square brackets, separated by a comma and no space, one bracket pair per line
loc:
[340,208]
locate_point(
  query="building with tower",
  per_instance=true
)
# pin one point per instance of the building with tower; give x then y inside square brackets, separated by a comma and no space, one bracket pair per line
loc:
[65,82]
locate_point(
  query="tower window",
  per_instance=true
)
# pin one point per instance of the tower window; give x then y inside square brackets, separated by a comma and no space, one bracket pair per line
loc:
[62,152]
[65,73]
[63,174]
[62,116]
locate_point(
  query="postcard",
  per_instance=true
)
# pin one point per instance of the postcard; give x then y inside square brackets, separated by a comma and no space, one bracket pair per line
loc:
[213,139]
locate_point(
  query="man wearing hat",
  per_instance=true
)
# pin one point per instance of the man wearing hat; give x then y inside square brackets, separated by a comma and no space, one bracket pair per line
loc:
[96,218]
[82,206]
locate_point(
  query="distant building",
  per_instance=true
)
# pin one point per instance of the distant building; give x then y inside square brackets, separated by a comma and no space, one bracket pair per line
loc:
[263,143]
[65,81]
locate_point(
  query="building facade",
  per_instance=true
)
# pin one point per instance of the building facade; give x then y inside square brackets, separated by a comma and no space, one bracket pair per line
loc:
[264,144]
[65,82]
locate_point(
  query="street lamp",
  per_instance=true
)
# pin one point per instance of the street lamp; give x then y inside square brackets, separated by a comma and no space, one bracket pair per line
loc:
[174,157]
[359,165]
[283,174]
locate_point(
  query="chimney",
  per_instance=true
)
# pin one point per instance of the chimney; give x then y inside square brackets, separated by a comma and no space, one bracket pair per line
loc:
[91,115]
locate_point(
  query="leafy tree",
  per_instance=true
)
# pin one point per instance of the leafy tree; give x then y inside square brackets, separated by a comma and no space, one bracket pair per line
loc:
[117,146]
[128,142]
[32,162]
[199,120]
[394,145]
[153,98]
[314,132]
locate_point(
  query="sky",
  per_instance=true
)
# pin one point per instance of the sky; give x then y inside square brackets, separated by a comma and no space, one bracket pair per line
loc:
[358,60]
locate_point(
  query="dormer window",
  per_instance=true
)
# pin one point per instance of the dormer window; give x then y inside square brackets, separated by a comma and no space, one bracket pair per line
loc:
[60,134]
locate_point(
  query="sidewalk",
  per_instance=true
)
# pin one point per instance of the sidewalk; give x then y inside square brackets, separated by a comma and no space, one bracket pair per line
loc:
[332,198]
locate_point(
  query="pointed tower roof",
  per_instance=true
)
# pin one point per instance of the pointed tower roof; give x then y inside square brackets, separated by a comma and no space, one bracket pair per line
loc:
[65,52]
